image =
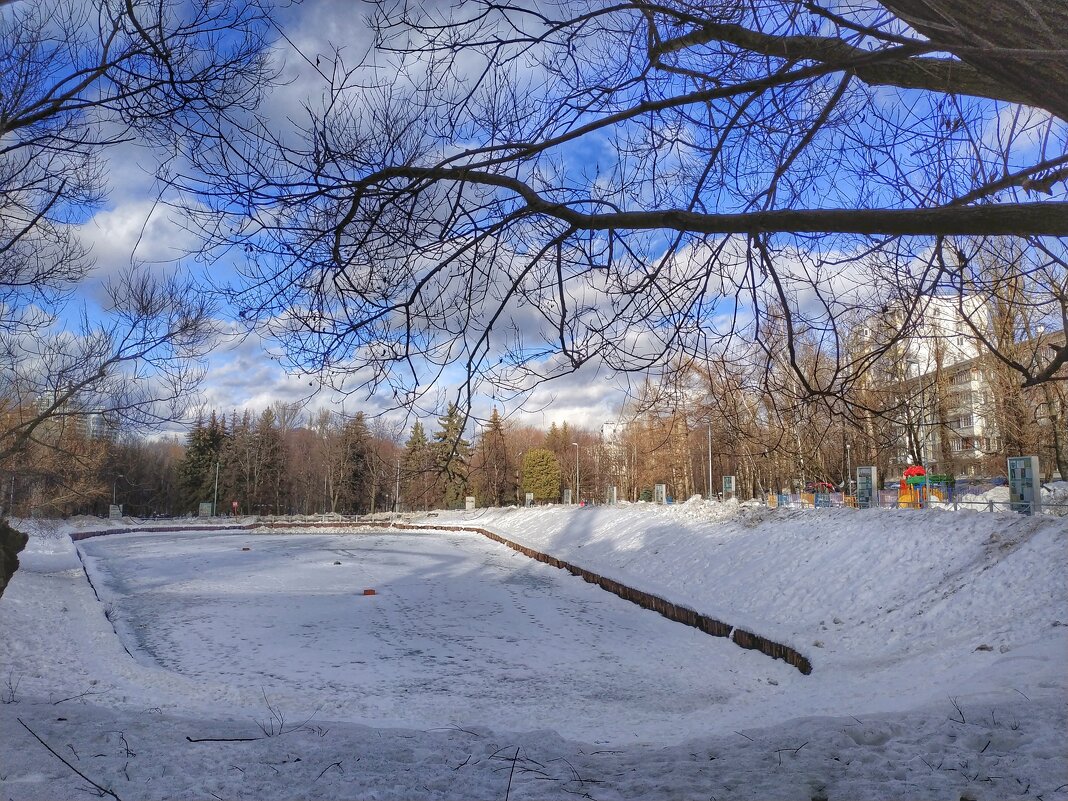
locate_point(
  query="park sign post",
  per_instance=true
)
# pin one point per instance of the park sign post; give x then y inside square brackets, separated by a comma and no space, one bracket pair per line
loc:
[728,487]
[1025,495]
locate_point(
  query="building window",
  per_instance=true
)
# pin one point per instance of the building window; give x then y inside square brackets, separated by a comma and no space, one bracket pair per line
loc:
[965,421]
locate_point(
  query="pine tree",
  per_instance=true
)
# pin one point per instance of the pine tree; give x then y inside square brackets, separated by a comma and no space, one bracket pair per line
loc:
[417,465]
[269,466]
[197,469]
[452,454]
[494,478]
[541,474]
[357,490]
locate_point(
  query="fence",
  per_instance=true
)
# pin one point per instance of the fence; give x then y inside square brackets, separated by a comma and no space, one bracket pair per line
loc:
[940,498]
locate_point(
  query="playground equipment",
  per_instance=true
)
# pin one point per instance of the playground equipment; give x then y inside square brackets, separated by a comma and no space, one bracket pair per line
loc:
[918,489]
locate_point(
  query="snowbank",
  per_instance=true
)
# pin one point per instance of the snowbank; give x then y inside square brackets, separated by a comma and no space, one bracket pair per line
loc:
[939,642]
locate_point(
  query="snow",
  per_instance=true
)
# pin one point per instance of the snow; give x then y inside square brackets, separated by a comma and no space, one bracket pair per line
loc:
[939,644]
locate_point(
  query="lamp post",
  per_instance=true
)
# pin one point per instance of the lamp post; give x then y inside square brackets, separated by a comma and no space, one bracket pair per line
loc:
[921,434]
[849,472]
[578,491]
[518,484]
[709,460]
[215,499]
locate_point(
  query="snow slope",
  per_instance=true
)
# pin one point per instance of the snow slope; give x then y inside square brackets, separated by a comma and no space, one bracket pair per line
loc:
[938,642]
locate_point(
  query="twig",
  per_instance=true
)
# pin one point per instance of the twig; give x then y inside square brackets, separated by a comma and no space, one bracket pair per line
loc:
[746,736]
[324,770]
[86,694]
[222,739]
[463,763]
[959,711]
[103,790]
[795,750]
[509,789]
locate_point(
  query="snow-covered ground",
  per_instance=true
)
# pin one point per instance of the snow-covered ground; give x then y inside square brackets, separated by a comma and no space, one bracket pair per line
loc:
[939,645]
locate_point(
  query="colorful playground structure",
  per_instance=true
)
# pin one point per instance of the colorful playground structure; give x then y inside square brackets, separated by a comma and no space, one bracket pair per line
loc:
[918,489]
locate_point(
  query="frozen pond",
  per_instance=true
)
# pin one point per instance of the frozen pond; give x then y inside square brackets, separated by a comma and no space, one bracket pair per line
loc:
[461,630]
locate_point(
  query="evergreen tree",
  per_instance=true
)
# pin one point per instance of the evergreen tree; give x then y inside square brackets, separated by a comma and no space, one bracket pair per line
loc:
[494,479]
[558,439]
[358,489]
[197,469]
[541,474]
[237,479]
[452,454]
[269,467]
[419,487]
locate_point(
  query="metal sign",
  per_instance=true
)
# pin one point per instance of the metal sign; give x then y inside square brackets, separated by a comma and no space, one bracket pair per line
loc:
[1025,494]
[728,487]
[567,496]
[613,495]
[530,499]
[660,493]
[470,500]
[867,486]
[205,509]
[114,512]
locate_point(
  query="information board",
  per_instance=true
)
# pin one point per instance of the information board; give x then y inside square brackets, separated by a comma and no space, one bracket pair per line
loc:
[867,485]
[1025,494]
[728,487]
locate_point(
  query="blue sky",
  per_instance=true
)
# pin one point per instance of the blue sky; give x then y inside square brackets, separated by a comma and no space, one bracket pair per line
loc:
[245,371]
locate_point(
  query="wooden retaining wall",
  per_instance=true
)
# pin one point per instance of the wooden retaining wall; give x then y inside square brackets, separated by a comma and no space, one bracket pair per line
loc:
[662,606]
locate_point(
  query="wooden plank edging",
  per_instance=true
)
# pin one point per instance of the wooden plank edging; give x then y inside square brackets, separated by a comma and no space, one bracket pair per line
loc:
[662,606]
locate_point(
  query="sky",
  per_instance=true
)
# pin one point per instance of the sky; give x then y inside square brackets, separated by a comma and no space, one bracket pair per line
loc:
[245,370]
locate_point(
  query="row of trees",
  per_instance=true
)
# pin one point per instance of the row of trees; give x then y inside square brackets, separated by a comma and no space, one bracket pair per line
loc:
[743,418]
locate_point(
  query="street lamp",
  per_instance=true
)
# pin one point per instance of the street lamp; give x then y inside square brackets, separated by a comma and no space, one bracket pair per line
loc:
[709,496]
[921,434]
[518,484]
[215,498]
[849,472]
[578,491]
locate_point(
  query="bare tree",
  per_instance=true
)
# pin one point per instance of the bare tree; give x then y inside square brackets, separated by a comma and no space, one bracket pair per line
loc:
[134,368]
[75,79]
[535,187]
